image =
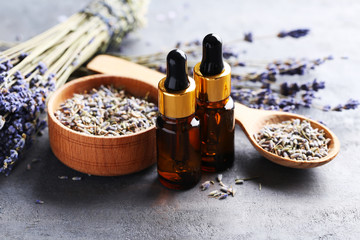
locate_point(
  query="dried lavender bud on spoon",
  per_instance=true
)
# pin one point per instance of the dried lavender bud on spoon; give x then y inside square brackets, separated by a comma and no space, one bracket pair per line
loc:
[294,139]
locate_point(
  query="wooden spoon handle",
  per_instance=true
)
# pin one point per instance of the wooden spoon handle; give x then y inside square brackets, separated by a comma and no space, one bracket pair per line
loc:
[117,66]
[248,118]
[243,115]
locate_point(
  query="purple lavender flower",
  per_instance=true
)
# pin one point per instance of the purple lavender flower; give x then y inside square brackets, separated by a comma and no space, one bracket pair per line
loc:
[18,75]
[248,37]
[297,33]
[42,68]
[285,89]
[22,56]
[2,68]
[8,65]
[308,97]
[338,108]
[351,104]
[288,108]
[227,54]
[326,108]
[161,69]
[240,64]
[13,154]
[318,85]
[25,101]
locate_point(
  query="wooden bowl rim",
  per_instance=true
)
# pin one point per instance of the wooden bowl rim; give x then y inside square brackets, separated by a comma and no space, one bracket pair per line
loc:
[81,80]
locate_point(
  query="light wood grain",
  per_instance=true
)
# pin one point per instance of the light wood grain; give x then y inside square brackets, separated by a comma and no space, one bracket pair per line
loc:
[250,120]
[120,67]
[99,155]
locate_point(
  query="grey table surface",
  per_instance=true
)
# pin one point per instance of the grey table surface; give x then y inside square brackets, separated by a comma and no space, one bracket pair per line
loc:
[319,203]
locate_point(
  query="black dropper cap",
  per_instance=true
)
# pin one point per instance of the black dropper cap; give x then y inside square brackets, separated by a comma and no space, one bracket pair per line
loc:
[176,73]
[212,59]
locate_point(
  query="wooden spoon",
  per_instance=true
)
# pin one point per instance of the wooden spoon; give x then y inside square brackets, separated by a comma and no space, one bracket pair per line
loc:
[250,120]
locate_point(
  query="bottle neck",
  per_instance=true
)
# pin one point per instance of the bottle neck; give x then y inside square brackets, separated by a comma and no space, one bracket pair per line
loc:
[177,120]
[218,104]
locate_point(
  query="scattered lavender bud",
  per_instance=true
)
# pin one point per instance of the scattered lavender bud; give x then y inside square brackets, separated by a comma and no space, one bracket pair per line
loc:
[212,193]
[39,202]
[231,191]
[223,196]
[239,181]
[76,178]
[224,189]
[205,185]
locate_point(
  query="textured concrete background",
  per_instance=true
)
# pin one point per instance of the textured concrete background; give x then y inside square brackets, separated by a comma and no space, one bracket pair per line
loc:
[320,203]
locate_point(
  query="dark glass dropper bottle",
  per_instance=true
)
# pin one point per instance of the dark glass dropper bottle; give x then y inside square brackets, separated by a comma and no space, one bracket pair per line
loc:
[215,107]
[177,133]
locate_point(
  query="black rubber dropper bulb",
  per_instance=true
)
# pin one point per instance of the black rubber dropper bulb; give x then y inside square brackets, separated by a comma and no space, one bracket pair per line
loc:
[176,73]
[212,59]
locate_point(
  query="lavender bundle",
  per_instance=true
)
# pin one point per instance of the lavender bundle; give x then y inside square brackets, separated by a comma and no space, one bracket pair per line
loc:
[31,70]
[261,88]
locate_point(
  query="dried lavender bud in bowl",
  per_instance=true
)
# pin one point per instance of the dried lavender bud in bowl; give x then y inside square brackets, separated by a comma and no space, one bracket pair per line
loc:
[106,111]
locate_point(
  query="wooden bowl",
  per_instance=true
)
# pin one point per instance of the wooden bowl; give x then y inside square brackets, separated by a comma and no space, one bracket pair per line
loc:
[102,155]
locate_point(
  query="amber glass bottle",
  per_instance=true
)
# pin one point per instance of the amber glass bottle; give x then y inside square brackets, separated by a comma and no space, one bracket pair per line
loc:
[177,133]
[215,107]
